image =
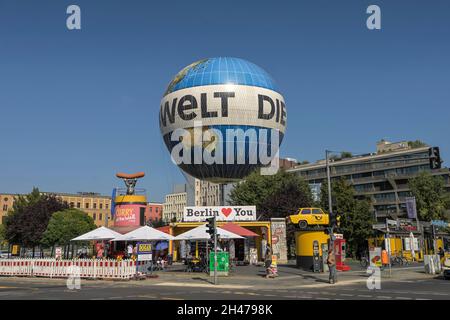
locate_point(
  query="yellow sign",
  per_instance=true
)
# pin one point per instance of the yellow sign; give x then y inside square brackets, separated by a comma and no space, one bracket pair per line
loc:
[144,248]
[15,250]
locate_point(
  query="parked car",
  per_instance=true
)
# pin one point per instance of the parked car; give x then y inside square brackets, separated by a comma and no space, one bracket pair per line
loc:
[309,217]
[3,254]
[446,268]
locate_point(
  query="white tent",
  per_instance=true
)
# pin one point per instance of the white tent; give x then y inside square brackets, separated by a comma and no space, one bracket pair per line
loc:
[144,233]
[200,233]
[101,233]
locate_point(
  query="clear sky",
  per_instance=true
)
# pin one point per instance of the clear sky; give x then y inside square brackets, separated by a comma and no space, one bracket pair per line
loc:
[78,106]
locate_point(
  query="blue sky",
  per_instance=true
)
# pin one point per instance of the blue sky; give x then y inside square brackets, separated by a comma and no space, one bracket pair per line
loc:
[78,106]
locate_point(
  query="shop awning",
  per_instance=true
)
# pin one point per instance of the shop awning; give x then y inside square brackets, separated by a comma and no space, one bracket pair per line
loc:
[165,229]
[237,229]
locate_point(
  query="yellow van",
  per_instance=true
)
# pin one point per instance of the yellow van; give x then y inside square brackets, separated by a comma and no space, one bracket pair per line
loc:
[309,217]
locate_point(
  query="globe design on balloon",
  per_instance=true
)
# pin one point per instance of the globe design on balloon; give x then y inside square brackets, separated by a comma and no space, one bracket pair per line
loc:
[225,117]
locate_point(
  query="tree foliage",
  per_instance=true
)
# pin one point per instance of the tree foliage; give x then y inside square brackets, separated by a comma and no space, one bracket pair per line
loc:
[416,144]
[356,215]
[276,195]
[29,217]
[66,225]
[430,194]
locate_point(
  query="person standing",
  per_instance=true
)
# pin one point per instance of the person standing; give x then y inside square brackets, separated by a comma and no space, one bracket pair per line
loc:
[441,253]
[331,262]
[130,251]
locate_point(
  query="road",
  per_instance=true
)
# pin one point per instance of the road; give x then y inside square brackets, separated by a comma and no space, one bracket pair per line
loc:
[404,284]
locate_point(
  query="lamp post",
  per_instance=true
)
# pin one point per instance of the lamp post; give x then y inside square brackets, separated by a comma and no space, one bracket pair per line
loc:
[330,202]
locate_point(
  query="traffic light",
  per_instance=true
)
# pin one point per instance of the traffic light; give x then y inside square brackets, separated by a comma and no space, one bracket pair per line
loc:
[211,226]
[332,220]
[435,158]
[338,220]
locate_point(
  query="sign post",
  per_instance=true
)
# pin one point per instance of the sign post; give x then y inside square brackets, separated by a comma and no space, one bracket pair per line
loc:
[144,253]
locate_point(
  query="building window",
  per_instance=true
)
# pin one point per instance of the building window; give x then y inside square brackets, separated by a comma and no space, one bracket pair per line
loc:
[5,207]
[78,205]
[6,199]
[72,204]
[106,206]
[100,216]
[150,209]
[101,205]
[95,205]
[94,216]
[86,205]
[156,209]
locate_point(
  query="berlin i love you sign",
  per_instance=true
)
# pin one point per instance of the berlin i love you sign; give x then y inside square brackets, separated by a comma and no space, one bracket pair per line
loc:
[230,213]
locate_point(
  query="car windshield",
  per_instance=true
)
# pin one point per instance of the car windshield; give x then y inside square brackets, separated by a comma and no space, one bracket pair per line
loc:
[317,211]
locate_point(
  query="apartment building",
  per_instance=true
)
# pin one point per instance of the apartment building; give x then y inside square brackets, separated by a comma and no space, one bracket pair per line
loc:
[382,176]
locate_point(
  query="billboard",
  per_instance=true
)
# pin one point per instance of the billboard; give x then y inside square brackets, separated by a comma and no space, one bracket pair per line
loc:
[127,215]
[235,213]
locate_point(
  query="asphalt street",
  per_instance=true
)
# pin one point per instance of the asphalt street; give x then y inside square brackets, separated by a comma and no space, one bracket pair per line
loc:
[403,284]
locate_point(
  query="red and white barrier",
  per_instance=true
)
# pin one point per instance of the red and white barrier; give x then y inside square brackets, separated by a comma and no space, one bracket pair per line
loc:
[52,268]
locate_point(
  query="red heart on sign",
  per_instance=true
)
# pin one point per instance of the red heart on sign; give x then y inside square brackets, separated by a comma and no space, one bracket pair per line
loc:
[226,211]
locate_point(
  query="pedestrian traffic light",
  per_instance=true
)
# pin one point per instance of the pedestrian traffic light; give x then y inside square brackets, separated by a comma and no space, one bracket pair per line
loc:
[435,158]
[211,226]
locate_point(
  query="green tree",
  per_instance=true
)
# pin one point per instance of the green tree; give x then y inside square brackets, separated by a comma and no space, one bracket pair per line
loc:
[346,154]
[156,223]
[431,197]
[356,216]
[66,225]
[2,236]
[277,195]
[416,144]
[28,219]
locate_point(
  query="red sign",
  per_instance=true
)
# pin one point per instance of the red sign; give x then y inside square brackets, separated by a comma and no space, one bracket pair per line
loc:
[126,215]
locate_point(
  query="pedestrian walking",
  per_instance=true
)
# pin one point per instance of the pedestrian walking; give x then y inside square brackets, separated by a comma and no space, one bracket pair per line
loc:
[331,262]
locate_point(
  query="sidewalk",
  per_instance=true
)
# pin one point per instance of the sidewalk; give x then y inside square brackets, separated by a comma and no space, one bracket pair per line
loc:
[249,277]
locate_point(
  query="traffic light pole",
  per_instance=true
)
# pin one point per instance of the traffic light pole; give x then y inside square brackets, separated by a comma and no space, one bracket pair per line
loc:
[215,251]
[330,204]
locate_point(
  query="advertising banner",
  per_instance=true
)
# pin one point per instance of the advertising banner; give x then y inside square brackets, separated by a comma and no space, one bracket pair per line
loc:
[411,207]
[127,215]
[235,213]
[375,257]
[144,251]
